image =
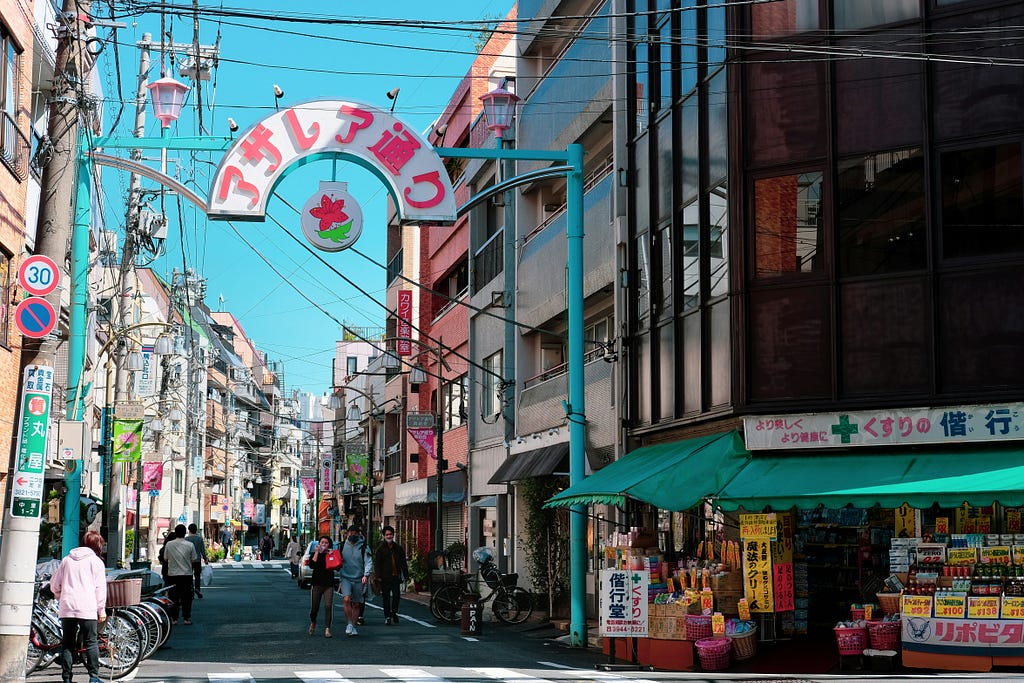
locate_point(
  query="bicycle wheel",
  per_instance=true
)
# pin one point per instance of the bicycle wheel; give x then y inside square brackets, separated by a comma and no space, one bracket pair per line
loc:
[512,605]
[37,645]
[152,626]
[446,603]
[120,647]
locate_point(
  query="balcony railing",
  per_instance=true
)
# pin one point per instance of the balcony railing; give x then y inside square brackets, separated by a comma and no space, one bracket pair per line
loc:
[14,146]
[489,260]
[394,267]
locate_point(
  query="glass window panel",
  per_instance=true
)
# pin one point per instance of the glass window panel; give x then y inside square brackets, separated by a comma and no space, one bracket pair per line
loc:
[879,101]
[783,18]
[666,371]
[788,225]
[688,48]
[690,149]
[665,248]
[881,213]
[691,256]
[786,113]
[642,184]
[665,166]
[716,35]
[718,128]
[790,343]
[641,59]
[665,43]
[718,247]
[851,14]
[885,337]
[721,355]
[692,388]
[979,334]
[643,278]
[982,201]
[643,378]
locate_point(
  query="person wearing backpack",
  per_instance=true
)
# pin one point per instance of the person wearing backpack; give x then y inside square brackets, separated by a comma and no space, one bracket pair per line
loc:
[392,568]
[356,565]
[321,586]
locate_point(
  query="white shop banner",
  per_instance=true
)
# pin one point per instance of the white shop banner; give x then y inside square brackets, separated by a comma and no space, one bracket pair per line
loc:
[897,426]
[1001,637]
[623,603]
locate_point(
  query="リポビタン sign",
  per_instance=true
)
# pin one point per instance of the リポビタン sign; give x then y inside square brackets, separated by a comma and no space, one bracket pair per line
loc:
[331,219]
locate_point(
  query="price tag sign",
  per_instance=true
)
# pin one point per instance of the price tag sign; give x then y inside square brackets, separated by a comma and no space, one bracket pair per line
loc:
[707,602]
[942,525]
[759,527]
[1013,521]
[1013,608]
[718,624]
[951,606]
[962,556]
[931,553]
[996,554]
[1018,554]
[916,606]
[983,607]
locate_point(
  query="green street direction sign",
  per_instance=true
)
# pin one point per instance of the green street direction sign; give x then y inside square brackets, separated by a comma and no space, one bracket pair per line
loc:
[27,482]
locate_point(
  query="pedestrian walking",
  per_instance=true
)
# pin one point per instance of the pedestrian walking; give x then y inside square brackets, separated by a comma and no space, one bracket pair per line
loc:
[180,555]
[80,586]
[294,551]
[226,538]
[266,547]
[321,586]
[392,569]
[197,567]
[356,565]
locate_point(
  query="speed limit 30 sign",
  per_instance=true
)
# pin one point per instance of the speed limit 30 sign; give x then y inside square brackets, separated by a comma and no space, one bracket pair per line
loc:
[38,275]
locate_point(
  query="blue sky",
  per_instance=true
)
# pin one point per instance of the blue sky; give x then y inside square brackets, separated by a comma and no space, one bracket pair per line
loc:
[308,61]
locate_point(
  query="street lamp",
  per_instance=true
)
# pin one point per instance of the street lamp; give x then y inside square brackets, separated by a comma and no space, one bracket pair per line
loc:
[355,415]
[167,96]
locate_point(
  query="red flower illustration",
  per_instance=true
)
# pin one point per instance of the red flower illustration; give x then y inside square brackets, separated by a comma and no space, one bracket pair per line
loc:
[329,212]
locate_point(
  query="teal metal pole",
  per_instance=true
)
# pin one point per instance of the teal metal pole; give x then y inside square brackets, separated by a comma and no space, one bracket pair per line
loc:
[577,407]
[77,315]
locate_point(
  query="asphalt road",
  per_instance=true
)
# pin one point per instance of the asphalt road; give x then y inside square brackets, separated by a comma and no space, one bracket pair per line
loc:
[251,627]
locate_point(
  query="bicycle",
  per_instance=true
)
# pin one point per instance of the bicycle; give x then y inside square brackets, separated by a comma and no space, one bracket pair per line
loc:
[511,604]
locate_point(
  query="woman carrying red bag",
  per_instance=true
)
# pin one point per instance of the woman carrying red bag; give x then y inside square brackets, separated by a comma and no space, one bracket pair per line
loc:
[321,585]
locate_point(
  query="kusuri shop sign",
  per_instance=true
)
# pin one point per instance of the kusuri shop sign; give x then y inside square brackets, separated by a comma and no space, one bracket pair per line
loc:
[370,137]
[623,603]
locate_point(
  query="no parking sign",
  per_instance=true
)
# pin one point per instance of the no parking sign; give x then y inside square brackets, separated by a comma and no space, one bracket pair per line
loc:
[35,317]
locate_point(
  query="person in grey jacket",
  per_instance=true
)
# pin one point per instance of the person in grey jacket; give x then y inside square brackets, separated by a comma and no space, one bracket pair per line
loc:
[197,567]
[356,565]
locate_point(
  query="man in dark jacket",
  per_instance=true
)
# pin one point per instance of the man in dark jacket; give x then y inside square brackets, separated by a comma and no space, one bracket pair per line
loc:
[392,569]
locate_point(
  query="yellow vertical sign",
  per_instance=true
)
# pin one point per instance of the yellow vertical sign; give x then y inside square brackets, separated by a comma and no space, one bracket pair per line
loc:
[757,574]
[906,522]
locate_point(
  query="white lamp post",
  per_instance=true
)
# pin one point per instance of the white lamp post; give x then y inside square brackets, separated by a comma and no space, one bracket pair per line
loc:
[168,96]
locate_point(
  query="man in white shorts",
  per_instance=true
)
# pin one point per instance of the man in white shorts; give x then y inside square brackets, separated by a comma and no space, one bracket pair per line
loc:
[356,565]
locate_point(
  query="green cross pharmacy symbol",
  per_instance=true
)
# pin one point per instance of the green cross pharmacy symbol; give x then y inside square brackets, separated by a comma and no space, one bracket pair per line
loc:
[844,429]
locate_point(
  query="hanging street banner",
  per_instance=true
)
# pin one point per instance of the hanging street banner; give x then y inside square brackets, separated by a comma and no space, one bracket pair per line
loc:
[331,219]
[623,603]
[127,446]
[309,487]
[421,428]
[27,479]
[355,468]
[413,172]
[145,381]
[152,476]
[326,471]
[404,310]
[249,508]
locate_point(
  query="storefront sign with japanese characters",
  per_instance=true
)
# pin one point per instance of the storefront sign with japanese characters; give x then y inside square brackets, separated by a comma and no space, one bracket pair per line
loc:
[757,575]
[623,603]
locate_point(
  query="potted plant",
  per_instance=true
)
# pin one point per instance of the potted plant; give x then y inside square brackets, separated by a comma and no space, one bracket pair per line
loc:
[418,570]
[236,551]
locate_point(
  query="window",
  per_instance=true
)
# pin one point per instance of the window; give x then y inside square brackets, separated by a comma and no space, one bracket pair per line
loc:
[179,481]
[10,140]
[5,301]
[719,243]
[665,39]
[643,289]
[551,356]
[492,390]
[982,201]
[788,225]
[641,54]
[881,213]
[351,365]
[783,18]
[455,402]
[853,14]
[691,256]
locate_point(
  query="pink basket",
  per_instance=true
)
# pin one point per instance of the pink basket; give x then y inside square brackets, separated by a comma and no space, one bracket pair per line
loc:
[698,627]
[884,635]
[851,641]
[714,653]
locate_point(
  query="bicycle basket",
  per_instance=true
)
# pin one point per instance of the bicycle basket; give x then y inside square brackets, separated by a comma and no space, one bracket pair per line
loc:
[491,575]
[510,580]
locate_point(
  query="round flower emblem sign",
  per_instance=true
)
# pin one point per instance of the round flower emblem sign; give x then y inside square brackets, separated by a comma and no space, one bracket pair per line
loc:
[331,218]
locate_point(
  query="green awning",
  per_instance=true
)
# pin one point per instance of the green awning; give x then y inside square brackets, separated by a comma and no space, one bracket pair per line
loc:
[670,476]
[888,479]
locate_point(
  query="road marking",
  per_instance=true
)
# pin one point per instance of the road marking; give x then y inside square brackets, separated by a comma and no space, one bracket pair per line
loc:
[594,674]
[469,639]
[411,675]
[232,677]
[509,675]
[321,677]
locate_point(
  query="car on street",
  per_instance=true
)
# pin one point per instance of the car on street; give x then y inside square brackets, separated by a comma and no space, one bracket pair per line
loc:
[305,571]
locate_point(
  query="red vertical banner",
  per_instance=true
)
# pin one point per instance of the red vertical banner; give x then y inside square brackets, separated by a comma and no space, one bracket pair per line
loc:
[404,343]
[782,584]
[425,438]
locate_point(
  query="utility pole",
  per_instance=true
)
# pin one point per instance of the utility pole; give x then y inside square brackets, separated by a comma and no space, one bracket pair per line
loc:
[21,534]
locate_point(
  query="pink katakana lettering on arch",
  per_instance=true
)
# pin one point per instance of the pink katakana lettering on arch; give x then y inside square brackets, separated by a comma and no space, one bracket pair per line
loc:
[258,147]
[233,173]
[301,138]
[357,119]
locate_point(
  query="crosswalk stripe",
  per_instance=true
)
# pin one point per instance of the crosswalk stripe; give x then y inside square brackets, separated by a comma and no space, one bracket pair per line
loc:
[411,675]
[594,674]
[508,675]
[321,677]
[231,677]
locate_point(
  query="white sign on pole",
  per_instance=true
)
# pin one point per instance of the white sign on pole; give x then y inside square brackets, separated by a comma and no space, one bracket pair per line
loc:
[623,603]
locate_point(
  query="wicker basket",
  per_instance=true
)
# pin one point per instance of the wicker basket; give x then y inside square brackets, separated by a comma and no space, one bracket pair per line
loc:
[698,627]
[889,602]
[744,645]
[124,592]
[714,653]
[851,641]
[884,635]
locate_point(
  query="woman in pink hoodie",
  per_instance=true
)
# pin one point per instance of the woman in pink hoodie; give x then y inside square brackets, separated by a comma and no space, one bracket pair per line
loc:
[81,586]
